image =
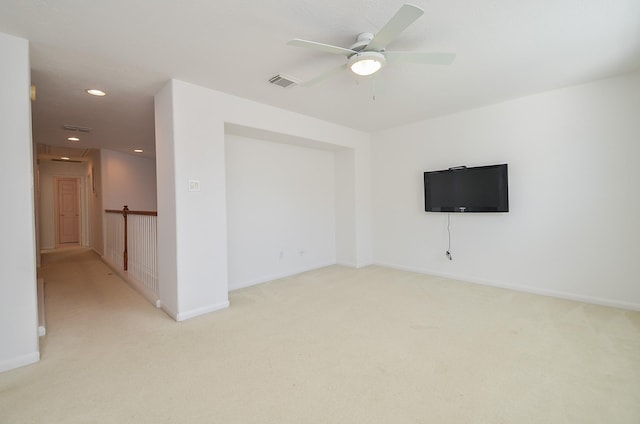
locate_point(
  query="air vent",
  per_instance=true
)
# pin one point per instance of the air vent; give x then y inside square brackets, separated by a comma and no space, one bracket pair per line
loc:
[67,160]
[76,128]
[282,81]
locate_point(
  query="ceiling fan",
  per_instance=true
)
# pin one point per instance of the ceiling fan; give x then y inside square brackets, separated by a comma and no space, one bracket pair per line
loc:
[368,55]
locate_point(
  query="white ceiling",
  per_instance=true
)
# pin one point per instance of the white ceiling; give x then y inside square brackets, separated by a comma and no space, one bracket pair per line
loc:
[505,49]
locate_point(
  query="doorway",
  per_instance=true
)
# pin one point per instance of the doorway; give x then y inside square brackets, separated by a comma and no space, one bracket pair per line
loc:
[67,212]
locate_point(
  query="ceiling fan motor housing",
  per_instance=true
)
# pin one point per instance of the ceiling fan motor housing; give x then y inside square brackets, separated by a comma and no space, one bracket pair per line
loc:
[362,41]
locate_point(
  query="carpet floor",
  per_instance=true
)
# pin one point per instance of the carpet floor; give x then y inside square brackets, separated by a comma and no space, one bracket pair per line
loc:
[334,345]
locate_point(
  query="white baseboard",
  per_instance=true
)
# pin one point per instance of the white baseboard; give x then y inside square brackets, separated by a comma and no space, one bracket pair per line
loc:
[19,361]
[354,264]
[168,311]
[525,289]
[267,278]
[182,316]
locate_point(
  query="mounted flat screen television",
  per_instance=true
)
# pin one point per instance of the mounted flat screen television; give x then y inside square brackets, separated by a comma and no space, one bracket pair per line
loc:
[462,189]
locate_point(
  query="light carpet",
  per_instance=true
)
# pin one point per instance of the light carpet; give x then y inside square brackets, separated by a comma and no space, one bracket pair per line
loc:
[334,345]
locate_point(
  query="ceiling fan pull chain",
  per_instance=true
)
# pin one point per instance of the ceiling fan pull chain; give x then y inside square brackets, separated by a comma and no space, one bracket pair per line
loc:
[373,87]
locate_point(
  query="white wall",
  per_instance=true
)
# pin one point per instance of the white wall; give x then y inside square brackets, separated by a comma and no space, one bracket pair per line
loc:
[286,125]
[48,171]
[95,200]
[280,209]
[167,210]
[346,221]
[128,180]
[573,229]
[192,226]
[192,231]
[18,302]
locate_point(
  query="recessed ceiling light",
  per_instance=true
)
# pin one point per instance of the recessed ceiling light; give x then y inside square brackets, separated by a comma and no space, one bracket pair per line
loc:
[73,139]
[138,150]
[96,92]
[64,158]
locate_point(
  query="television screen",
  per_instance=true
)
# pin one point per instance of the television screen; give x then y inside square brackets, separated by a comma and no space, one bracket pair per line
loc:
[462,189]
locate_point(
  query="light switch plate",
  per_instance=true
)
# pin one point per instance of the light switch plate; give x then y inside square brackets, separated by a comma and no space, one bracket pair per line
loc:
[194,185]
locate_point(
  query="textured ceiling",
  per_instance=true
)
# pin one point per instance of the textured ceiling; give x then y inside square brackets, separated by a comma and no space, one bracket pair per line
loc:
[505,49]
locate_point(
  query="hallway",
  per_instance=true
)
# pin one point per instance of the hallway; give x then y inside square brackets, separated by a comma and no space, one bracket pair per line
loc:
[93,326]
[86,300]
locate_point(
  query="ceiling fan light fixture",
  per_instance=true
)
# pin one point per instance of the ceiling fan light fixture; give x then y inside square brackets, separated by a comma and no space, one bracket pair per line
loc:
[366,63]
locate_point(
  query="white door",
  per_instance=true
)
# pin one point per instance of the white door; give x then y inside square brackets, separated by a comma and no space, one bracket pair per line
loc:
[68,218]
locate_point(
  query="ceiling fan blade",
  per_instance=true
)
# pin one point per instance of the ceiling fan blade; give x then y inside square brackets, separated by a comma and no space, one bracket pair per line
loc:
[420,57]
[327,48]
[324,76]
[404,17]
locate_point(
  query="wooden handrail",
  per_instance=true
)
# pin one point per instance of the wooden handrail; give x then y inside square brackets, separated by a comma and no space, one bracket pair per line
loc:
[125,212]
[148,213]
